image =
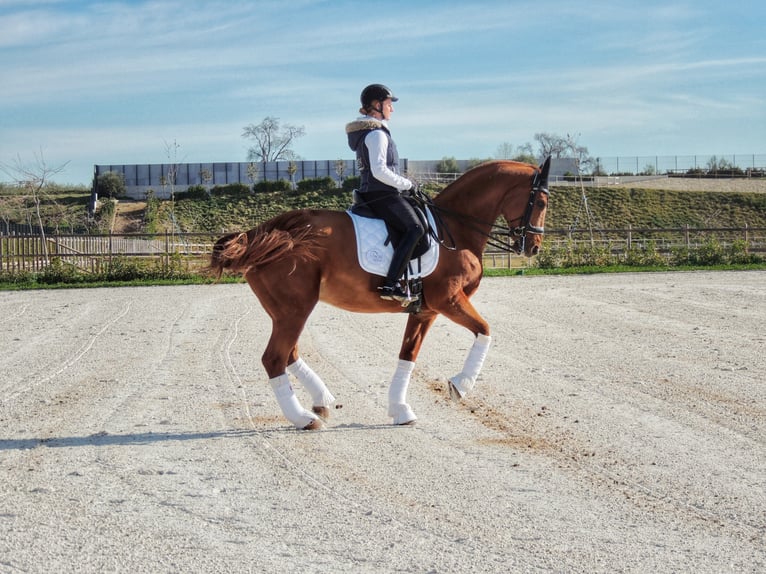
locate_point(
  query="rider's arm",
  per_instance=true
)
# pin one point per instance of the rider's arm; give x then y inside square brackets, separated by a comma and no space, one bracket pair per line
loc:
[377,144]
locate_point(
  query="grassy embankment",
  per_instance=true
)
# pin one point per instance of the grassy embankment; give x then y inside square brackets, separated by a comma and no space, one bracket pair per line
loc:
[610,208]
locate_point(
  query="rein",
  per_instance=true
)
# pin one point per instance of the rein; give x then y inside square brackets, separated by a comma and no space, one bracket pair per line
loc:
[518,232]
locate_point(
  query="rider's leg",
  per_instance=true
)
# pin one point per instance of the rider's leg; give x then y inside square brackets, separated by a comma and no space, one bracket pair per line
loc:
[402,255]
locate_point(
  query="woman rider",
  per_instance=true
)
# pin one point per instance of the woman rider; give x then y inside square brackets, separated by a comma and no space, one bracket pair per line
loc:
[381,184]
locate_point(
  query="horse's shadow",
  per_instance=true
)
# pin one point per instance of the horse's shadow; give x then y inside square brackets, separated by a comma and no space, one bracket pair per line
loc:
[149,438]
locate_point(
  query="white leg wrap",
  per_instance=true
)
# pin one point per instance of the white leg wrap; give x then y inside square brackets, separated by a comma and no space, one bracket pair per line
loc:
[320,396]
[463,382]
[397,394]
[289,404]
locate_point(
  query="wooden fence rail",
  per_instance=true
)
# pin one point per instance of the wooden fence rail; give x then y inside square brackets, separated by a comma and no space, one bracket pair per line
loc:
[24,252]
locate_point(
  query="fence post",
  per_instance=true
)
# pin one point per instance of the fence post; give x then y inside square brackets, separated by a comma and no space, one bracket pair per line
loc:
[630,237]
[686,236]
[747,249]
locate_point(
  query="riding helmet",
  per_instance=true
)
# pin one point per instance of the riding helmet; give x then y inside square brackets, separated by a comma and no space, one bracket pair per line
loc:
[377,92]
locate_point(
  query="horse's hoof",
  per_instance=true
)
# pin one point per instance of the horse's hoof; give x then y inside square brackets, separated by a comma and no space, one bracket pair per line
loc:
[402,415]
[316,424]
[322,412]
[411,423]
[454,394]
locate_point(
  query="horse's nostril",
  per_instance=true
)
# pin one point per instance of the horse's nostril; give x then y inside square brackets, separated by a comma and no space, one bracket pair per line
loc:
[535,249]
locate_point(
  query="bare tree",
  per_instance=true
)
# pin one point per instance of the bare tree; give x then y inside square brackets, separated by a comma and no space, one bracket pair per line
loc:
[551,145]
[558,146]
[292,169]
[272,141]
[340,169]
[33,178]
[252,172]
[523,152]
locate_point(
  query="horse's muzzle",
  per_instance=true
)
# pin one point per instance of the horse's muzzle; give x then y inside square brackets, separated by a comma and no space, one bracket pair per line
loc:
[524,246]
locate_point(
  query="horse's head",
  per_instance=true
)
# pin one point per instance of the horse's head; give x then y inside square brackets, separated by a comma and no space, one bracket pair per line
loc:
[528,235]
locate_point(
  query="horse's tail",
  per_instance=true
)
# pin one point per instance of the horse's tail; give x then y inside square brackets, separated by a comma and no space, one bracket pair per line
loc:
[288,234]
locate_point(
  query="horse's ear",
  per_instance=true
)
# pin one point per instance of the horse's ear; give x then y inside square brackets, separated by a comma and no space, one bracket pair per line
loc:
[545,167]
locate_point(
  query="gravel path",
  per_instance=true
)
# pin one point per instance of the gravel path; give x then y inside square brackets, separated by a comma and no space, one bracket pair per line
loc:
[702,184]
[619,426]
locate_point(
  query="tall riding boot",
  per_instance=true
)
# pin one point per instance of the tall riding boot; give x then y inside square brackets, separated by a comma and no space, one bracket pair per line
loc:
[399,261]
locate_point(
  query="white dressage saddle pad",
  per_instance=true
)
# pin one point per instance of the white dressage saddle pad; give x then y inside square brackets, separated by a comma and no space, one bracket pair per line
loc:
[375,256]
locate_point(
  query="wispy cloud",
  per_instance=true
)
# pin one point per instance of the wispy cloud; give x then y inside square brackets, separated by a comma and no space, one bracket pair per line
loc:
[93,79]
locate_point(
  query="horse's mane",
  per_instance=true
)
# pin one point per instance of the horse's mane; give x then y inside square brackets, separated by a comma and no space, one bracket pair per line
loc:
[290,233]
[476,179]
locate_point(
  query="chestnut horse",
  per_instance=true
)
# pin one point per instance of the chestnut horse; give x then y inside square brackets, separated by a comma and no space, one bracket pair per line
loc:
[304,256]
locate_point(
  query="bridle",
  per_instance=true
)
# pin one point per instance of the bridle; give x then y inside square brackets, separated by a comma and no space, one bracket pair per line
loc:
[520,233]
[517,233]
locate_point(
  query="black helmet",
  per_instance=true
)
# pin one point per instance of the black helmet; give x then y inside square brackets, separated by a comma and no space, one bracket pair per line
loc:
[376,92]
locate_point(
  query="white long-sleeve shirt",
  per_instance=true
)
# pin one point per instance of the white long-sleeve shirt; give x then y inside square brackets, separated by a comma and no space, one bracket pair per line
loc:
[377,145]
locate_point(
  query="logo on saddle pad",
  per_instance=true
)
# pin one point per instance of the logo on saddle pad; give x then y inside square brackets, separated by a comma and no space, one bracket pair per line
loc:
[375,254]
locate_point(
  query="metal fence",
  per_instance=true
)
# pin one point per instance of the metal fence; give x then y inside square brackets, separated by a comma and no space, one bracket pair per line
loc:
[166,178]
[708,165]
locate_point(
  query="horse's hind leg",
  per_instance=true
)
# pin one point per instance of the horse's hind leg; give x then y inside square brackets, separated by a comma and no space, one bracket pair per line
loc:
[288,318]
[320,395]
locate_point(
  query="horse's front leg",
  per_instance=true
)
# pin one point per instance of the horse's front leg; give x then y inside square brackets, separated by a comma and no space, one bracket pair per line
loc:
[465,380]
[417,327]
[462,312]
[320,395]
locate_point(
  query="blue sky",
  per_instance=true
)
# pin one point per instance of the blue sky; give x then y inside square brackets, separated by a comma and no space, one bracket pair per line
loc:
[117,82]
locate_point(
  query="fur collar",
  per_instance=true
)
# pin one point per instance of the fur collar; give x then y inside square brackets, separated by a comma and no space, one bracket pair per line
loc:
[365,123]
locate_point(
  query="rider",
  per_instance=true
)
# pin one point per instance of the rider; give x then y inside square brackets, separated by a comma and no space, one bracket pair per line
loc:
[381,184]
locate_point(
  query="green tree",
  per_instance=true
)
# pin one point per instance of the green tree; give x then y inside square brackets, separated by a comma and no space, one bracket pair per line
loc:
[110,184]
[447,165]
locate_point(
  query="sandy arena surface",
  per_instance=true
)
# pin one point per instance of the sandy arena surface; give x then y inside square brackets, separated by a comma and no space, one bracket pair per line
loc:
[619,426]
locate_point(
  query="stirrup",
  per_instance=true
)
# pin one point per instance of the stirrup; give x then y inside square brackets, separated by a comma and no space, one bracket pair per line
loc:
[396,293]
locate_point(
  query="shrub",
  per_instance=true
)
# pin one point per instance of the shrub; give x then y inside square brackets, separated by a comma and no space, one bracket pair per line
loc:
[194,192]
[59,272]
[151,213]
[646,255]
[316,184]
[737,253]
[110,184]
[231,190]
[280,185]
[16,277]
[351,183]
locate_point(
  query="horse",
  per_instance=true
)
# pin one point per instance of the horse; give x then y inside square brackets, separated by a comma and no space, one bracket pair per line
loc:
[301,257]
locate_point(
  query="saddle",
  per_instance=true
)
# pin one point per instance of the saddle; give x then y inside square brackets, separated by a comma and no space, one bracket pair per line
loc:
[360,208]
[376,242]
